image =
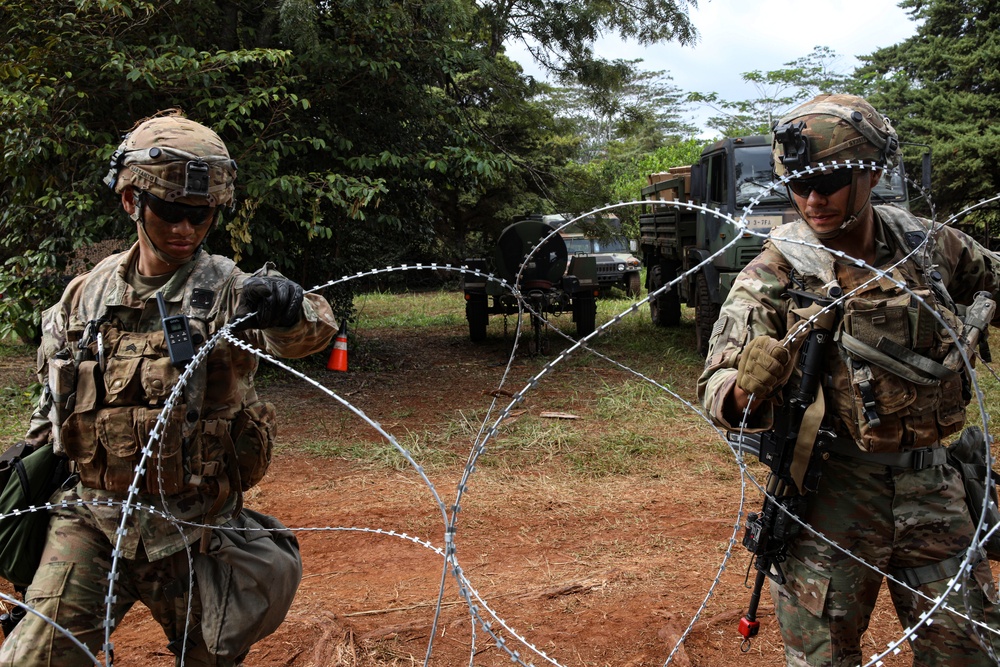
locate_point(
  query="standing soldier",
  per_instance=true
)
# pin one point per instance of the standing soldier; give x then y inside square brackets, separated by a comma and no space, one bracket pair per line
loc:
[888,395]
[108,362]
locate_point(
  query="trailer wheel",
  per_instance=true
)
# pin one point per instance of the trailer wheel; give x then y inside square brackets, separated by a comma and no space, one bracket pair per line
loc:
[633,284]
[665,310]
[585,315]
[479,318]
[705,315]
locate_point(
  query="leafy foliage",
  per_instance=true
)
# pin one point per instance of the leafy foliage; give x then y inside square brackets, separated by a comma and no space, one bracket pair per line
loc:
[638,105]
[941,87]
[560,35]
[367,132]
[627,175]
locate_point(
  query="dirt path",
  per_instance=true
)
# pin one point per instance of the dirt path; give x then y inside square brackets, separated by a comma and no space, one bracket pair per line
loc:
[603,571]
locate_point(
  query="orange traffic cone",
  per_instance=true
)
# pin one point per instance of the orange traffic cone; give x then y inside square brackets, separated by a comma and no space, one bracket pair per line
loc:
[338,355]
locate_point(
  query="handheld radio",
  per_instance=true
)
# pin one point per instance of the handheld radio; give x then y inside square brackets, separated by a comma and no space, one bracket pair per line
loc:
[177,334]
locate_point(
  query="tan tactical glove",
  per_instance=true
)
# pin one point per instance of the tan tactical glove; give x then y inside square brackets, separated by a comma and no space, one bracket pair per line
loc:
[764,367]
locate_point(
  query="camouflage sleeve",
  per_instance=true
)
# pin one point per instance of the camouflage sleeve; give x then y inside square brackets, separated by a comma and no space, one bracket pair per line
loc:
[753,308]
[312,333]
[966,266]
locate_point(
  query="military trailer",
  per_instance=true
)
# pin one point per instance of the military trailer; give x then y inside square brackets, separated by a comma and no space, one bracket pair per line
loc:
[551,283]
[730,173]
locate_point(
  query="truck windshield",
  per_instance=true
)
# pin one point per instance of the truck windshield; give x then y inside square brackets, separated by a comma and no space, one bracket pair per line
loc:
[580,246]
[892,187]
[752,171]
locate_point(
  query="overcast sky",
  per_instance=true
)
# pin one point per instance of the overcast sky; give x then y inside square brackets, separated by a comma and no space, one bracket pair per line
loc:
[737,36]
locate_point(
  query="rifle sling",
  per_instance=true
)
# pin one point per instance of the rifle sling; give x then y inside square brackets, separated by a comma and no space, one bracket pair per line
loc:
[808,430]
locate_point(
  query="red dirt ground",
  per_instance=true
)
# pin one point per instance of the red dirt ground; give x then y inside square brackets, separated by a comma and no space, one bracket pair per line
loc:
[605,571]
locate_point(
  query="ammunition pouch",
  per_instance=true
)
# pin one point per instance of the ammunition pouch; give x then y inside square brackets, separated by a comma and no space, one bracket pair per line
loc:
[107,444]
[253,431]
[901,391]
[107,398]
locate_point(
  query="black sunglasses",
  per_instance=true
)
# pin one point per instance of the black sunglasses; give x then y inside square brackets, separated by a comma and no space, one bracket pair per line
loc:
[825,184]
[173,213]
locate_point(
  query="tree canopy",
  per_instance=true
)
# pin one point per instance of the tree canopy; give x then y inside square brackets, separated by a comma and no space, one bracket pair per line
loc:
[365,130]
[376,132]
[777,91]
[941,87]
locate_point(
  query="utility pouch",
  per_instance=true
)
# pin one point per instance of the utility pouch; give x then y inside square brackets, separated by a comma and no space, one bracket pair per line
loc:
[969,454]
[253,431]
[106,446]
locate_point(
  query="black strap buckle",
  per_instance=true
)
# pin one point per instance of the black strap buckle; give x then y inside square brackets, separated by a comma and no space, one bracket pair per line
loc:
[868,396]
[922,458]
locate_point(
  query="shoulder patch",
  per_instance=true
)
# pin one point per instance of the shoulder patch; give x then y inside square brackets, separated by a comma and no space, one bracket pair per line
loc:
[914,239]
[202,298]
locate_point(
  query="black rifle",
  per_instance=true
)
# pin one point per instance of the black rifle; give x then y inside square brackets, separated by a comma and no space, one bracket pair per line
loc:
[767,533]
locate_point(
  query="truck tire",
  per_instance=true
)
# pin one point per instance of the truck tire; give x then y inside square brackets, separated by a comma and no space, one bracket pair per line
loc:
[665,310]
[585,315]
[705,315]
[478,317]
[633,284]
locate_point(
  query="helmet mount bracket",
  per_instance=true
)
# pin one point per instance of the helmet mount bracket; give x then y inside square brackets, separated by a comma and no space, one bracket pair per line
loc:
[795,146]
[196,179]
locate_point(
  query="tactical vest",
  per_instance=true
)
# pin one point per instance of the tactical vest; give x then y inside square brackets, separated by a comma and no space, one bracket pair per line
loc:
[110,385]
[886,386]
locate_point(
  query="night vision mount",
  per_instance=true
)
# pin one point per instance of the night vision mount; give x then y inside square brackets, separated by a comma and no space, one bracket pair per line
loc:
[794,146]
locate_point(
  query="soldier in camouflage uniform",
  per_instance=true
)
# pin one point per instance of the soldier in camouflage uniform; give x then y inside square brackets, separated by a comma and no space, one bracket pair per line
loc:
[889,397]
[106,373]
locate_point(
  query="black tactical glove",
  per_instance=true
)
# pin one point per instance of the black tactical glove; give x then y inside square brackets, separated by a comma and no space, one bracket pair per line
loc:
[277,302]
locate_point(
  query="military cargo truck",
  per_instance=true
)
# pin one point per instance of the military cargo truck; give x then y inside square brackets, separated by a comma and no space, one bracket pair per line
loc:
[551,283]
[730,173]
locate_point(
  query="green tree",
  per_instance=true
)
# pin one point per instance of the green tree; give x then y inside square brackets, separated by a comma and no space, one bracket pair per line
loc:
[777,91]
[323,106]
[367,132]
[640,106]
[941,87]
[560,35]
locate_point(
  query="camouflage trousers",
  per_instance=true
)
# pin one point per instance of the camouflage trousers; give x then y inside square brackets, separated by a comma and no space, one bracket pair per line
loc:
[892,519]
[71,586]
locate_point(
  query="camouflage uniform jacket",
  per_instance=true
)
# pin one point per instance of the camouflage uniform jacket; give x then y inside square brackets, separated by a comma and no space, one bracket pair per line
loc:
[207,289]
[759,305]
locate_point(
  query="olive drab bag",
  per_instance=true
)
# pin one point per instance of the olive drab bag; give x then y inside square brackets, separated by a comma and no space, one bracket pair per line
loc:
[246,581]
[969,454]
[28,477]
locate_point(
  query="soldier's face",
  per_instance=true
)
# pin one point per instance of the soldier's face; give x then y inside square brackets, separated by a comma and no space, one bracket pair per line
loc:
[824,209]
[176,240]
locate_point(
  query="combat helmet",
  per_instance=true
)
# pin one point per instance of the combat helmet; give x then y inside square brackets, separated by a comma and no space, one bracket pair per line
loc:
[175,159]
[829,128]
[832,129]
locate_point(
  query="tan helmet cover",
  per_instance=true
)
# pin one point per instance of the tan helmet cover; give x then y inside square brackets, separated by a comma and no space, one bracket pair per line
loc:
[175,159]
[839,127]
